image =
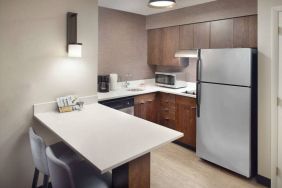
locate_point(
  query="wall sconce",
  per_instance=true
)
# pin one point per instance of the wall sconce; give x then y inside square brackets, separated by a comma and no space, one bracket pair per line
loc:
[73,47]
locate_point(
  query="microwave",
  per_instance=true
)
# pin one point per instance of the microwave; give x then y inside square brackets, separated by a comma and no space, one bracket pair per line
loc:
[169,80]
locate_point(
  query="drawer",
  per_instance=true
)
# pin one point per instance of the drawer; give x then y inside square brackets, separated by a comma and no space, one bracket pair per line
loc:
[167,106]
[167,123]
[185,101]
[167,98]
[167,115]
[144,98]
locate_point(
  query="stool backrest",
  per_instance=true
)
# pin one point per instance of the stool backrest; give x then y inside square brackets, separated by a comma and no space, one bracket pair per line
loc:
[38,148]
[60,172]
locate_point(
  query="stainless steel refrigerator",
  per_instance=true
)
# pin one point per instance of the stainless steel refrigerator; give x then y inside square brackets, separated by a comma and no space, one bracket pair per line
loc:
[227,108]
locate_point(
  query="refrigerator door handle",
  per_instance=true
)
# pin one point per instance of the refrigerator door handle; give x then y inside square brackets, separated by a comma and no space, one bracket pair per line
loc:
[198,98]
[199,66]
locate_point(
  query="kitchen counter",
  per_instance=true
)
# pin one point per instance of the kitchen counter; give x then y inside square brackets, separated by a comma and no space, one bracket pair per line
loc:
[149,87]
[96,135]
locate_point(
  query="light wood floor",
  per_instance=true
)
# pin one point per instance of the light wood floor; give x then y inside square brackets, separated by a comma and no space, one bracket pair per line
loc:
[173,166]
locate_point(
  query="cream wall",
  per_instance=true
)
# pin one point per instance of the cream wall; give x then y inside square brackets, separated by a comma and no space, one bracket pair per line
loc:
[34,68]
[123,45]
[264,47]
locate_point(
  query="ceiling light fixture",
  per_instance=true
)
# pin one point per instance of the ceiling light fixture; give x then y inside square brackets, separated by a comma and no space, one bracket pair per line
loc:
[161,3]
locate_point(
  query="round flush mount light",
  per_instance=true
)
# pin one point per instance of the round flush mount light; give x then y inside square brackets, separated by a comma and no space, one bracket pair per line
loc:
[161,3]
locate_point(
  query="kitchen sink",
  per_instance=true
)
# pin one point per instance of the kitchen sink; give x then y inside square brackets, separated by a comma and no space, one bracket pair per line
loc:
[135,89]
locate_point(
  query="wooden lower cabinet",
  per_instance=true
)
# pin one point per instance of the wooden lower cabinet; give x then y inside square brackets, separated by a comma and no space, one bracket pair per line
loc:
[166,111]
[186,119]
[145,107]
[172,111]
[179,113]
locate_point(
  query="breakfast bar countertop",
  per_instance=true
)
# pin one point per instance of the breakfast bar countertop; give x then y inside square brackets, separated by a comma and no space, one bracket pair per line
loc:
[106,137]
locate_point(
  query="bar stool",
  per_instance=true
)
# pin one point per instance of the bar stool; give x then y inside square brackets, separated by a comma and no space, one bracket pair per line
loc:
[75,175]
[38,148]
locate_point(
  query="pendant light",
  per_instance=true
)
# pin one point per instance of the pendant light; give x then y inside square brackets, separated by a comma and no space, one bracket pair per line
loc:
[161,3]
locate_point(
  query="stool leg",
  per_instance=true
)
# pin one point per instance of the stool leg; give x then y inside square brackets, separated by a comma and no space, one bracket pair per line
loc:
[45,181]
[35,178]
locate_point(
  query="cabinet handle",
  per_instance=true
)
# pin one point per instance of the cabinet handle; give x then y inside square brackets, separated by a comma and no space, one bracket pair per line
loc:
[193,108]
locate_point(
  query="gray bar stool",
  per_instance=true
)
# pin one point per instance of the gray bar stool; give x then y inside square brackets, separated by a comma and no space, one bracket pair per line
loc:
[38,148]
[75,175]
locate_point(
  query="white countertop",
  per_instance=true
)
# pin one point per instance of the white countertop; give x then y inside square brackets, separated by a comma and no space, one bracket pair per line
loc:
[106,137]
[149,87]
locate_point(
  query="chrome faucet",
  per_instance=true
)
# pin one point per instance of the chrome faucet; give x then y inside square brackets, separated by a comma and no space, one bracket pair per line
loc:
[126,83]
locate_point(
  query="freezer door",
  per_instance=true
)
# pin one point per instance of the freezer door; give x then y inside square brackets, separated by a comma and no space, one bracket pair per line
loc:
[226,66]
[223,128]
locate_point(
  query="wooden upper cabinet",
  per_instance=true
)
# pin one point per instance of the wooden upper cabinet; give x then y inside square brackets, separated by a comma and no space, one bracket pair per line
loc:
[222,34]
[186,37]
[154,46]
[241,32]
[170,46]
[202,35]
[245,32]
[253,31]
[229,33]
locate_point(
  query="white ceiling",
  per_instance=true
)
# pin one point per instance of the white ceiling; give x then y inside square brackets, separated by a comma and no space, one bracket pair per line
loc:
[141,6]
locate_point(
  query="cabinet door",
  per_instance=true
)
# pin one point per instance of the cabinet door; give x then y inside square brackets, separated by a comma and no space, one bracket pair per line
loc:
[151,111]
[186,37]
[170,46]
[245,32]
[241,32]
[253,31]
[140,110]
[186,120]
[222,34]
[202,35]
[145,107]
[154,46]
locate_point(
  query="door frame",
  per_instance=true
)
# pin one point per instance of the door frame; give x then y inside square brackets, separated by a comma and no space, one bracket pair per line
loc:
[274,91]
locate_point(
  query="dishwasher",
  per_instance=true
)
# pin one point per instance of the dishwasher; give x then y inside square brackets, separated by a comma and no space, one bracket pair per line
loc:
[122,104]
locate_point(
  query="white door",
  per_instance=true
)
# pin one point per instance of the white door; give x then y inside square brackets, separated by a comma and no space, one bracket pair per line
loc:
[279,178]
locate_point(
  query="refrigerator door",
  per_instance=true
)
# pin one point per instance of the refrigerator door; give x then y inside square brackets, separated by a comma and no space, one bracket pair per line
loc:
[226,66]
[223,128]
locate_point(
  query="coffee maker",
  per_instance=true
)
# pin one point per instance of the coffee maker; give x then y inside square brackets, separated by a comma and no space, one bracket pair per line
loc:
[103,83]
